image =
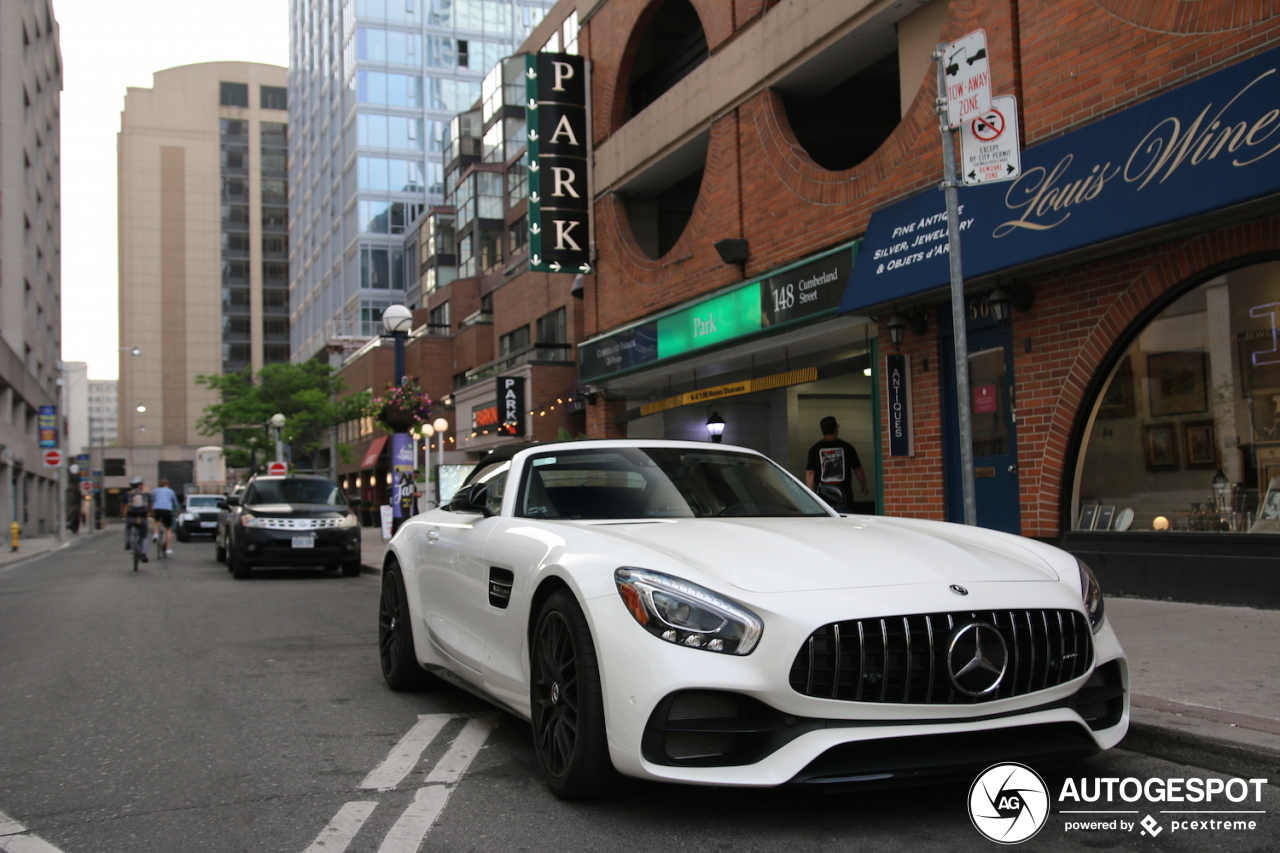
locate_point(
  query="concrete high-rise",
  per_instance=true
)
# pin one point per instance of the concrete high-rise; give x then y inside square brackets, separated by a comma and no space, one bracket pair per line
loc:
[204,269]
[373,85]
[30,259]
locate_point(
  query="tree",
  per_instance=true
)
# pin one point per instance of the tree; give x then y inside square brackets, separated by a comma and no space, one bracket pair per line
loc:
[304,393]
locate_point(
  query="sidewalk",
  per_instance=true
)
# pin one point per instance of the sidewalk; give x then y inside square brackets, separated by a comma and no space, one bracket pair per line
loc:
[1204,679]
[35,546]
[1204,683]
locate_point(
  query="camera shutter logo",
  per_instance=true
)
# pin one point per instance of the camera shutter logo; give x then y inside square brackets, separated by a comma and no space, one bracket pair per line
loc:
[1008,803]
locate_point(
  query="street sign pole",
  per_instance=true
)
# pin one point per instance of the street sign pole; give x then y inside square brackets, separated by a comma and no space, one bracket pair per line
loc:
[960,332]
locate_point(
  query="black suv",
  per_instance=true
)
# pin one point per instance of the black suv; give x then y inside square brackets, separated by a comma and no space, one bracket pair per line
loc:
[299,520]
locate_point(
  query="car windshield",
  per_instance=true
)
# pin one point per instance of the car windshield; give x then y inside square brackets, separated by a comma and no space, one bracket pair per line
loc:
[659,482]
[202,500]
[293,492]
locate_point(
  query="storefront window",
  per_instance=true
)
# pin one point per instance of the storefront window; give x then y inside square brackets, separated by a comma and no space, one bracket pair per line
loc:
[1186,434]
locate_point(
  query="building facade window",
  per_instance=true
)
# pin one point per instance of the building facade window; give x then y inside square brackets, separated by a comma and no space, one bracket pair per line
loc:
[273,98]
[233,94]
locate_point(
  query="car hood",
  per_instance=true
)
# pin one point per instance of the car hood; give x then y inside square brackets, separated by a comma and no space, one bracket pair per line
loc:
[299,510]
[774,555]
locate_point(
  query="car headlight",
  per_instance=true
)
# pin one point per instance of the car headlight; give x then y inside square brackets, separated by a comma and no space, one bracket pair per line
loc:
[686,614]
[349,520]
[248,519]
[1092,595]
[186,516]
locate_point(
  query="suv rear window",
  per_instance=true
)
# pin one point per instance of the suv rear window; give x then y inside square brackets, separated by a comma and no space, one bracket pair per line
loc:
[293,492]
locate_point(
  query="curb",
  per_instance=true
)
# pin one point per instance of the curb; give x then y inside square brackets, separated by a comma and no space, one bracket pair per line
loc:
[1201,743]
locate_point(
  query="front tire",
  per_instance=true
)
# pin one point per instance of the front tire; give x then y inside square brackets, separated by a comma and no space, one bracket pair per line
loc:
[219,552]
[569,733]
[239,568]
[400,666]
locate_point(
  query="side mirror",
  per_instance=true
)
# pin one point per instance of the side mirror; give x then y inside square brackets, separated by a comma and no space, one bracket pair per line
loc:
[473,498]
[230,500]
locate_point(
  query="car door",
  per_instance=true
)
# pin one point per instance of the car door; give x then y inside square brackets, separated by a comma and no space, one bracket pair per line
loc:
[514,552]
[453,580]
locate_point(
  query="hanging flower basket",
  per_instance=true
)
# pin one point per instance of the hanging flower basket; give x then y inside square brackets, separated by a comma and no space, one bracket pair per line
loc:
[402,408]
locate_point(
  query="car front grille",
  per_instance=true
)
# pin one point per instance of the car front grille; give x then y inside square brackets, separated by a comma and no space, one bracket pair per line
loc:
[903,659]
[297,523]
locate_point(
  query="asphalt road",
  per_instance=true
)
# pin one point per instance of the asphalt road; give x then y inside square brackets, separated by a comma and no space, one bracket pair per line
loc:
[177,709]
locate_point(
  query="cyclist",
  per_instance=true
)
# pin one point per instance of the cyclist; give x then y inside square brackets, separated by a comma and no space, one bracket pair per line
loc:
[164,503]
[134,510]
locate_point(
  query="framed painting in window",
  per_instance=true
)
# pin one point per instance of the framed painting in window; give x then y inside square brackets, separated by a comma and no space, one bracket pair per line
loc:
[1177,383]
[1199,446]
[1160,447]
[1117,400]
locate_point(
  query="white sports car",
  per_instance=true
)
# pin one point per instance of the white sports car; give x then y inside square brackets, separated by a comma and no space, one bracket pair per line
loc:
[692,613]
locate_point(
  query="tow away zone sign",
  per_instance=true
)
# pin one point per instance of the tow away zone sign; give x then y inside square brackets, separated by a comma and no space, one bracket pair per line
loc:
[989,144]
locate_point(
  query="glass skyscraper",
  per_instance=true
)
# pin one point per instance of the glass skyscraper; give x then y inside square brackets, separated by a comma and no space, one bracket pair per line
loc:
[373,85]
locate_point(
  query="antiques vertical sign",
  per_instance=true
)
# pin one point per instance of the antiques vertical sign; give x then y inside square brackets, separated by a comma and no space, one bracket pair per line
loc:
[898,378]
[559,195]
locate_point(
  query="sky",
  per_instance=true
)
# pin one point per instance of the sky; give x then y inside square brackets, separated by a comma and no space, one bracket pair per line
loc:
[107,47]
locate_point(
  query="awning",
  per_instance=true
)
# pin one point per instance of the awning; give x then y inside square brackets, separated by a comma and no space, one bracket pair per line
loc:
[374,451]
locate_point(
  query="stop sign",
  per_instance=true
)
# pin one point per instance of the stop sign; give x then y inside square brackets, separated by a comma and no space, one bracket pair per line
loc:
[52,458]
[277,469]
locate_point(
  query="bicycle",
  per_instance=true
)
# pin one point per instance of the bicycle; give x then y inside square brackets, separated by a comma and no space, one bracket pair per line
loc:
[158,538]
[137,543]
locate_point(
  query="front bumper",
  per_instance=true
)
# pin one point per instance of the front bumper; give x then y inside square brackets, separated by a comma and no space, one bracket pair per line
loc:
[266,547]
[197,526]
[762,732]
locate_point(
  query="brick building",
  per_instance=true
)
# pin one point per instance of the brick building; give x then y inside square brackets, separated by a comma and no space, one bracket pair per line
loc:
[1140,265]
[756,166]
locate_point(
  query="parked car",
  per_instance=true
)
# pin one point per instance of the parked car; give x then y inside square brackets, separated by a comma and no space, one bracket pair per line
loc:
[298,520]
[222,529]
[199,517]
[690,612]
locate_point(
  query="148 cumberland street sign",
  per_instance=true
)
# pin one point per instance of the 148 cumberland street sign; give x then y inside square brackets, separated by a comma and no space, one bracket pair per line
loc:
[556,116]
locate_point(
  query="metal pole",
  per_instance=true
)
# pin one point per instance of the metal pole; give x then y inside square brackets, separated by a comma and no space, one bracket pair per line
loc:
[958,326]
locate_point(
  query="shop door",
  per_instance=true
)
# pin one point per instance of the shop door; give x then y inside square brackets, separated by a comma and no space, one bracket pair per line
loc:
[995,457]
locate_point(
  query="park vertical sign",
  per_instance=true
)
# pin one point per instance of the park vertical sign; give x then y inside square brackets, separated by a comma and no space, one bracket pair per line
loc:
[558,152]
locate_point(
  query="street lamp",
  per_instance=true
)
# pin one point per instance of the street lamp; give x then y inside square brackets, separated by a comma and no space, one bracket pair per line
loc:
[715,427]
[277,423]
[441,426]
[398,321]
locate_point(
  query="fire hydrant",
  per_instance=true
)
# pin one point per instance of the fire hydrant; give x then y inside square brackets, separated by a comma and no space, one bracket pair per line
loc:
[14,530]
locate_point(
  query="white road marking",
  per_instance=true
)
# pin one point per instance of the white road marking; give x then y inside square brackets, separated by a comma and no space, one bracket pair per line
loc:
[450,768]
[406,835]
[335,837]
[405,755]
[26,844]
[9,826]
[14,840]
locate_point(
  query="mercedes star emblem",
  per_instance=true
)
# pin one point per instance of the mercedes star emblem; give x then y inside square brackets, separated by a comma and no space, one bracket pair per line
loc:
[977,659]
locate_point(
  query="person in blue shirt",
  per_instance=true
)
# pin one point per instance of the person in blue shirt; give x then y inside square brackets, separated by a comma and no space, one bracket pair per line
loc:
[164,503]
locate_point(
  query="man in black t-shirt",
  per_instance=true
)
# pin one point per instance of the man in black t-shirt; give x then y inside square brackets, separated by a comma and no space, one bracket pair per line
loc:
[831,467]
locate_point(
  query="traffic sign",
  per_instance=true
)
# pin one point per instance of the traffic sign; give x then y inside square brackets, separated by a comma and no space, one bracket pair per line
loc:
[86,486]
[277,469]
[968,78]
[52,458]
[989,144]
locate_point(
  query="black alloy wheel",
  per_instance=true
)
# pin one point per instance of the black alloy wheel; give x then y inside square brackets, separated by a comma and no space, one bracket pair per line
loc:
[395,636]
[569,734]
